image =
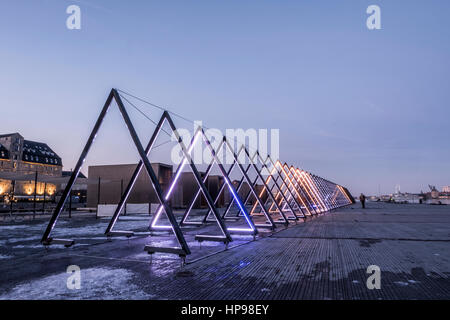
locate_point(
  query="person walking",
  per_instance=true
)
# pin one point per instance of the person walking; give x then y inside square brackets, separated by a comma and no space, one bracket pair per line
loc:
[362,198]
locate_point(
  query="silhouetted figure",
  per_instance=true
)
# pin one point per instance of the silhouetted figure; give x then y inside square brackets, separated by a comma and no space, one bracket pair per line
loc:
[362,198]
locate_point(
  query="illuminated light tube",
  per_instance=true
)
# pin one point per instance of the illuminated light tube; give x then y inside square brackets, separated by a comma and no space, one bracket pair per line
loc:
[315,191]
[289,185]
[344,193]
[312,185]
[252,211]
[267,181]
[177,176]
[309,191]
[295,189]
[137,175]
[236,198]
[324,191]
[302,182]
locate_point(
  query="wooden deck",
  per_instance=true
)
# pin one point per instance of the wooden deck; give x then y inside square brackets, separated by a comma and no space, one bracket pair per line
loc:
[325,257]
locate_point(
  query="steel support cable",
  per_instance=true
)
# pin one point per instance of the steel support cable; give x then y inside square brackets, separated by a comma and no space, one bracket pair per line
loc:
[151,120]
[174,113]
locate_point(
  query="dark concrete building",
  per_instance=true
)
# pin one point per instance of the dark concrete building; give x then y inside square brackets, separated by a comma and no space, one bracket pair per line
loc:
[187,188]
[114,179]
[79,189]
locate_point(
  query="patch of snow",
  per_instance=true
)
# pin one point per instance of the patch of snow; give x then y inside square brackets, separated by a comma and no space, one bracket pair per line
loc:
[96,283]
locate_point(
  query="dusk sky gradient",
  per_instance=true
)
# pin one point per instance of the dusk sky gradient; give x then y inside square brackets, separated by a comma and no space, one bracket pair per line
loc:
[366,109]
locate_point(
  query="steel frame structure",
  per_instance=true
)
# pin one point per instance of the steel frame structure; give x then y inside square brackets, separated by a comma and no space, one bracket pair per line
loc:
[299,192]
[306,187]
[114,94]
[235,197]
[290,187]
[270,223]
[280,193]
[270,196]
[252,229]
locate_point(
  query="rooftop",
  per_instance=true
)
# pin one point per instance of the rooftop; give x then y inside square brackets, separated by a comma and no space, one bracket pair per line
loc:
[39,152]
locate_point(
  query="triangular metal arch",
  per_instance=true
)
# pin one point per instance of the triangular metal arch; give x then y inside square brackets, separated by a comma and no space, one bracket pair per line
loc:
[290,187]
[315,190]
[251,185]
[225,215]
[284,219]
[187,160]
[325,189]
[224,174]
[309,189]
[283,202]
[198,193]
[296,188]
[47,240]
[127,191]
[325,186]
[283,189]
[234,192]
[321,192]
[303,190]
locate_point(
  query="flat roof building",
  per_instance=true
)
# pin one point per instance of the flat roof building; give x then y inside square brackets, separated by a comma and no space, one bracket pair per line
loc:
[114,179]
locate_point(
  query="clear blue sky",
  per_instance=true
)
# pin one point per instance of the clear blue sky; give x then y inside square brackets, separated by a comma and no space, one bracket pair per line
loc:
[363,108]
